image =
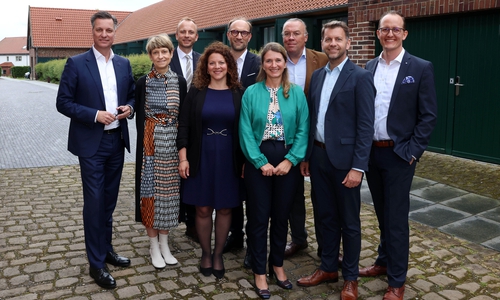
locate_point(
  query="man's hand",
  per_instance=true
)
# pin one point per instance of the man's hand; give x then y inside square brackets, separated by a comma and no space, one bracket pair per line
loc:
[353,179]
[304,169]
[105,117]
[123,112]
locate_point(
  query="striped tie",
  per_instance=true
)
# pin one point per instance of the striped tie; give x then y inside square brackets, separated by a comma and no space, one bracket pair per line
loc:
[189,72]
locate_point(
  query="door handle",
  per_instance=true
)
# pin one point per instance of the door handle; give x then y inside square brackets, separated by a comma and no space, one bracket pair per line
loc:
[457,85]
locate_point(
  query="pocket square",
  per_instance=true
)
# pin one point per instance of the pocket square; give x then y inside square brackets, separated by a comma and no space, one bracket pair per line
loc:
[408,79]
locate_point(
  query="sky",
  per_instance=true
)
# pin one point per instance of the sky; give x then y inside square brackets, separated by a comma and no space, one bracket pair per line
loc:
[15,13]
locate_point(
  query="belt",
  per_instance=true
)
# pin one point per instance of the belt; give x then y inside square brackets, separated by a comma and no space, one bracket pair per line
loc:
[320,144]
[114,130]
[383,144]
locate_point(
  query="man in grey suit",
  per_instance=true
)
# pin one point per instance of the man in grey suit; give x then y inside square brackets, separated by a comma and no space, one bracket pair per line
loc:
[341,107]
[239,33]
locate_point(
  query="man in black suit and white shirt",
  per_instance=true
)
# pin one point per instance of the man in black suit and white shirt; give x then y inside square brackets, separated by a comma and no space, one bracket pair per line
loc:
[239,33]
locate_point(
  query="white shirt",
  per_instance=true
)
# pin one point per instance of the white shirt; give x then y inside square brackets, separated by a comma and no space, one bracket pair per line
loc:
[331,77]
[183,61]
[384,79]
[240,62]
[297,72]
[108,81]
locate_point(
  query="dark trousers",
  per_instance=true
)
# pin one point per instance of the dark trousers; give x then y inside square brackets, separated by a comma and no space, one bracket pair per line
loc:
[297,217]
[238,218]
[101,175]
[269,197]
[337,211]
[389,179]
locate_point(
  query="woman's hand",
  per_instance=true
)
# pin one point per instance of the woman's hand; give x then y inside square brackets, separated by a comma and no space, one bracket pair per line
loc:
[267,169]
[184,168]
[283,168]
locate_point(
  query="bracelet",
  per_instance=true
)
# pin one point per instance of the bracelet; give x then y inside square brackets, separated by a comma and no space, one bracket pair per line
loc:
[183,160]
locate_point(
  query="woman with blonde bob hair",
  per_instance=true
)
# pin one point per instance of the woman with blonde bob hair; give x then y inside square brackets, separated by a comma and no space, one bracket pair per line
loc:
[274,128]
[158,96]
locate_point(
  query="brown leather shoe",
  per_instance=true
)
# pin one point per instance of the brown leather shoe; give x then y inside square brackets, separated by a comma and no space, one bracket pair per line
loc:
[292,248]
[350,290]
[372,271]
[393,293]
[319,276]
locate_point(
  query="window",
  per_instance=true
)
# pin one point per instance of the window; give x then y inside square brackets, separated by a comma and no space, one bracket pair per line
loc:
[19,58]
[269,35]
[7,58]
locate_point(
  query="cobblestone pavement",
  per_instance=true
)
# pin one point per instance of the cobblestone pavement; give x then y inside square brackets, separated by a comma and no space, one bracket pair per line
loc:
[43,255]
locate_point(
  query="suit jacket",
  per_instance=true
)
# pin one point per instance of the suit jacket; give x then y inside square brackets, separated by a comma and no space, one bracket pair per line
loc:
[175,64]
[413,109]
[80,96]
[349,117]
[251,67]
[190,130]
[314,61]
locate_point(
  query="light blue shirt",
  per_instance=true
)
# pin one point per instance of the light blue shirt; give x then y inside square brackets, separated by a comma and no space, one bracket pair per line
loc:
[331,77]
[297,72]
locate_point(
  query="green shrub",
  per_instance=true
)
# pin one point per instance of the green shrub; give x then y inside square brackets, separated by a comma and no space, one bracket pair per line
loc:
[141,64]
[18,72]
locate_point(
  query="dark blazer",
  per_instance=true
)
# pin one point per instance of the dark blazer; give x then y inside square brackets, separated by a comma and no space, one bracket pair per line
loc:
[413,108]
[140,100]
[349,117]
[314,61]
[80,96]
[175,64]
[190,129]
[251,67]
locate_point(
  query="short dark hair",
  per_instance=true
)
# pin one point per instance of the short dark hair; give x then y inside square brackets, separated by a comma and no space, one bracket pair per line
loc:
[393,12]
[103,15]
[239,19]
[335,24]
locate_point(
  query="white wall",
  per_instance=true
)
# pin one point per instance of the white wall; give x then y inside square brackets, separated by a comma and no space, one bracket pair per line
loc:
[12,58]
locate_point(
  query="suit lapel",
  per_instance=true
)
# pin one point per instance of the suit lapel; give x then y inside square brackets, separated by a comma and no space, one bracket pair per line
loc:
[319,87]
[403,71]
[176,65]
[344,74]
[94,72]
[117,66]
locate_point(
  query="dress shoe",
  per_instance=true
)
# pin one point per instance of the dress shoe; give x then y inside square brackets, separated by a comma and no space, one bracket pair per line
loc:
[319,276]
[350,290]
[264,293]
[219,274]
[247,262]
[233,241]
[102,278]
[292,248]
[372,271]
[116,260]
[393,293]
[206,271]
[192,233]
[285,284]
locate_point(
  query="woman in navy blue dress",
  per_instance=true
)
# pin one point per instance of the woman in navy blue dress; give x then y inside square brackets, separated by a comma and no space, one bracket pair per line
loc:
[210,158]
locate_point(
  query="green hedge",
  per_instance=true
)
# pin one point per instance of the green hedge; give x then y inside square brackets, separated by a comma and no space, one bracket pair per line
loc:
[51,71]
[18,72]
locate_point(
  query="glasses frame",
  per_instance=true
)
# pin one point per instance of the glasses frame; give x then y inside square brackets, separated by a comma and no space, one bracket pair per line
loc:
[395,30]
[243,33]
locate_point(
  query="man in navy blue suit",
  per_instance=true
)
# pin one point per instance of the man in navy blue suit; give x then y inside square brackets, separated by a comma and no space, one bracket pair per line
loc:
[97,93]
[341,107]
[239,33]
[405,115]
[186,35]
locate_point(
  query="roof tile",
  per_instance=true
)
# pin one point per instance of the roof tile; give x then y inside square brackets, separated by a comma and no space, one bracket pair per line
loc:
[13,45]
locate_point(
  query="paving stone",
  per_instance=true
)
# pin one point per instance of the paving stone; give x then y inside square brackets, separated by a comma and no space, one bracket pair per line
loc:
[128,292]
[472,287]
[423,285]
[432,296]
[441,280]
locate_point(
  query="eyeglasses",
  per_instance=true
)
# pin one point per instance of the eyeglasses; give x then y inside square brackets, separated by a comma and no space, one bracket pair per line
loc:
[288,34]
[395,30]
[242,32]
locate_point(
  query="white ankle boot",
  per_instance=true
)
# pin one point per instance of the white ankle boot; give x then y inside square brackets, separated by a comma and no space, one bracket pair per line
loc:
[155,252]
[165,250]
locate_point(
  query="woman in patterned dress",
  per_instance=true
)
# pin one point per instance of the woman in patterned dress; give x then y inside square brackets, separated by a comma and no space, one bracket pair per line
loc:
[209,151]
[157,184]
[274,128]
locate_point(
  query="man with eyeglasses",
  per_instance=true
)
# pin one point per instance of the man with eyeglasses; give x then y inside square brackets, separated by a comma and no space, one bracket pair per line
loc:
[184,60]
[405,115]
[239,33]
[301,63]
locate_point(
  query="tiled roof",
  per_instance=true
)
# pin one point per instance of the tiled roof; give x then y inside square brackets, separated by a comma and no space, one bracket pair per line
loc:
[63,28]
[13,45]
[162,17]
[6,64]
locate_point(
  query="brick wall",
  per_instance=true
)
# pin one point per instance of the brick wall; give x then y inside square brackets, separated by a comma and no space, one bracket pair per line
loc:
[363,16]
